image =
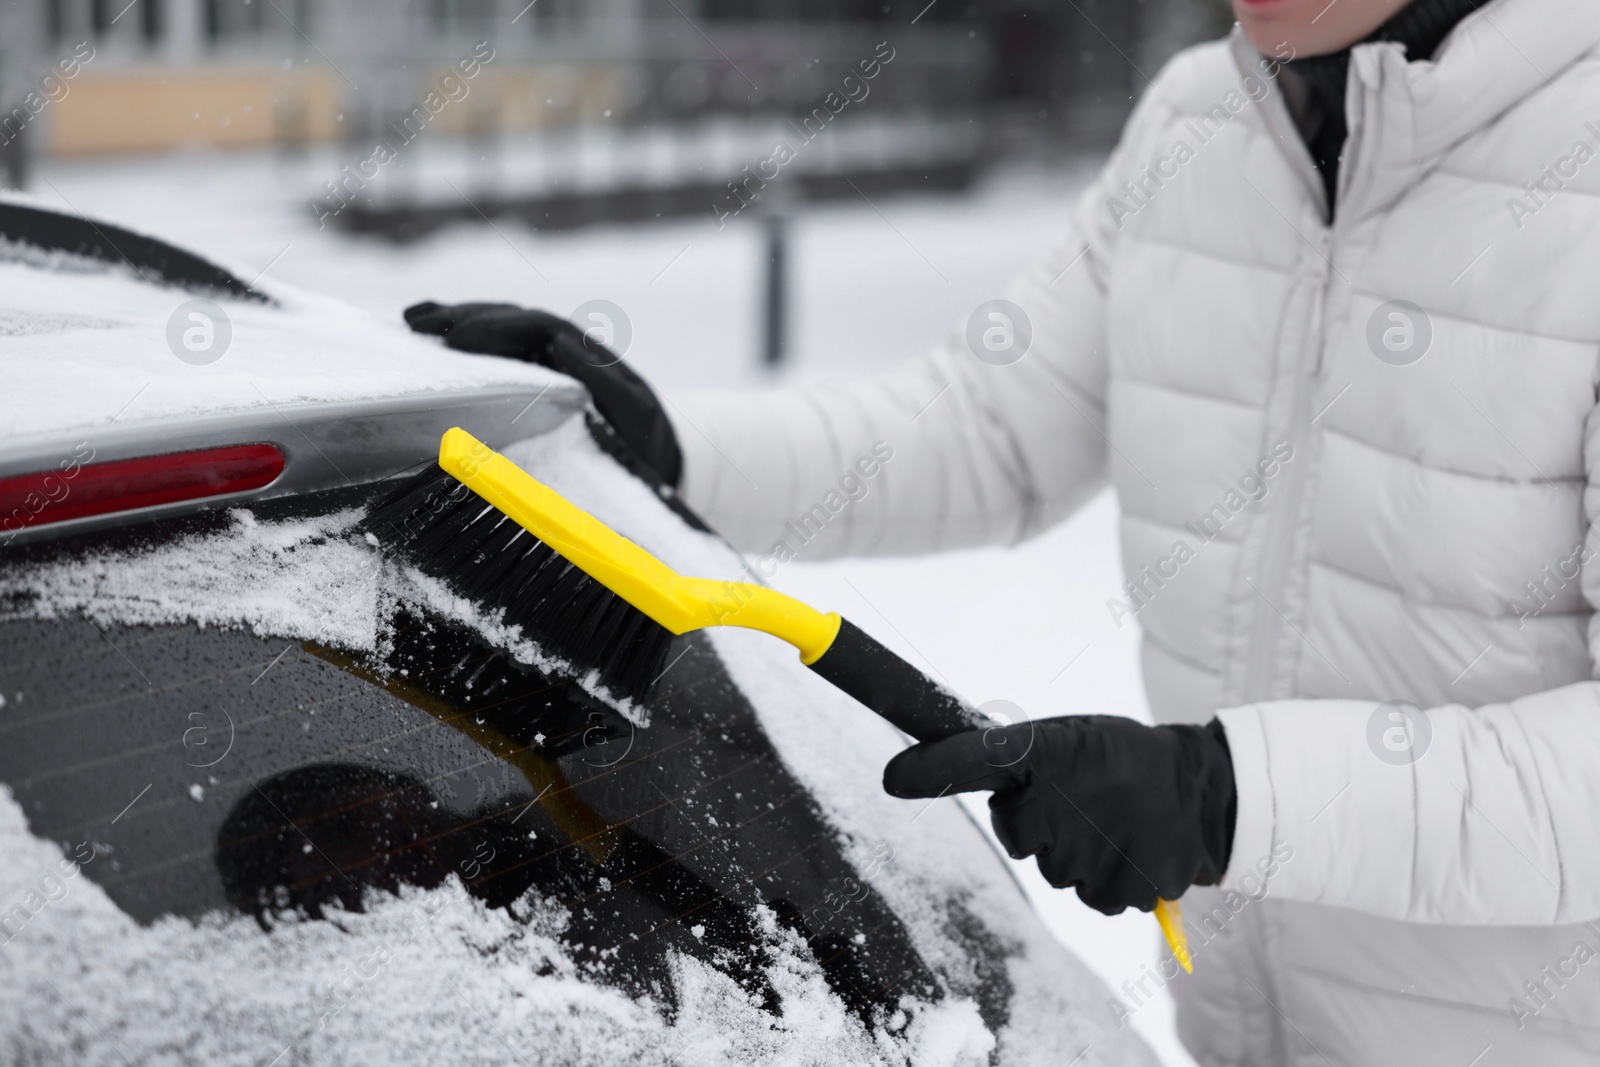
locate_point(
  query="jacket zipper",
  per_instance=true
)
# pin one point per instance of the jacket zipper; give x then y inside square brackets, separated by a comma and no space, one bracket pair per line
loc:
[1265,628]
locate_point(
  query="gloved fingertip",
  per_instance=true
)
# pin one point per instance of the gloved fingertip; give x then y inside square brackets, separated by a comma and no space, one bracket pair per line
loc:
[428,317]
[906,777]
[895,782]
[960,763]
[1103,904]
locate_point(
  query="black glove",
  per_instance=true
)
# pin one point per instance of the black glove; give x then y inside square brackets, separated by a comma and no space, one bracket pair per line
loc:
[1127,813]
[620,396]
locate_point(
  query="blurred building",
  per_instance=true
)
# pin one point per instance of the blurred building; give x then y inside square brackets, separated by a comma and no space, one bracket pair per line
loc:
[82,77]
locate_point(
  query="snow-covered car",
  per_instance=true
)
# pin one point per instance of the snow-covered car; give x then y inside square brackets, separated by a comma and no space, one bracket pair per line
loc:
[268,797]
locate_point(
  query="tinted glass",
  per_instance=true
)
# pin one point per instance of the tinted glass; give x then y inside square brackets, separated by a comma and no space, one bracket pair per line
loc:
[221,769]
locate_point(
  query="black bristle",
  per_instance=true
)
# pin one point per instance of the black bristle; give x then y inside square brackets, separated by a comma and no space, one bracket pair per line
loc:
[448,532]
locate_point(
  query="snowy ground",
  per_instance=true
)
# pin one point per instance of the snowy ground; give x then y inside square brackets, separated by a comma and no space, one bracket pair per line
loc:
[873,282]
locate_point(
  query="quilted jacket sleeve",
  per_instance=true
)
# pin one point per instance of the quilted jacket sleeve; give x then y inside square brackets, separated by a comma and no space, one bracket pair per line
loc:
[1496,822]
[1484,816]
[961,451]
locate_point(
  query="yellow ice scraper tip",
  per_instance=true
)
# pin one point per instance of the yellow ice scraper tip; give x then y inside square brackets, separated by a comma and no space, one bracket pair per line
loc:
[1170,916]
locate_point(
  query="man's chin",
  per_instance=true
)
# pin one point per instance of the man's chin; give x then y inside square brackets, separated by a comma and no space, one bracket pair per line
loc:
[1294,29]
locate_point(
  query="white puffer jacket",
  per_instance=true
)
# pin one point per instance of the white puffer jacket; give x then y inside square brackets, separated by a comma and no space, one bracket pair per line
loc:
[1318,521]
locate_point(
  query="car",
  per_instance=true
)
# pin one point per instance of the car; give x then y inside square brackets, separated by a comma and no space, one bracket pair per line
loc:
[269,795]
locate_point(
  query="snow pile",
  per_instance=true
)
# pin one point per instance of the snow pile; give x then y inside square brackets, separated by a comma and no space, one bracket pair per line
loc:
[301,578]
[427,977]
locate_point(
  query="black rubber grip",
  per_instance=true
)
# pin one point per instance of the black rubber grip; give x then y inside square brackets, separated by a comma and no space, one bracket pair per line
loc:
[860,666]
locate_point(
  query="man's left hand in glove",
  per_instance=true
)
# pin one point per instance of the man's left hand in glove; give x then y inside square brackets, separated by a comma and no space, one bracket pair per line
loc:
[620,396]
[1127,813]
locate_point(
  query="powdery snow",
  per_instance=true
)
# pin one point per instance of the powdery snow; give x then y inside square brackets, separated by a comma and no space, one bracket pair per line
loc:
[299,578]
[426,977]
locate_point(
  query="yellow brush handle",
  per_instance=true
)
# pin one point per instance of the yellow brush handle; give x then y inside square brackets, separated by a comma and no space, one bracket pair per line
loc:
[1170,916]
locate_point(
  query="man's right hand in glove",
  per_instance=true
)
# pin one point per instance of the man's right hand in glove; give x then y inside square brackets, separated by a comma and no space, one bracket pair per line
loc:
[620,396]
[1126,813]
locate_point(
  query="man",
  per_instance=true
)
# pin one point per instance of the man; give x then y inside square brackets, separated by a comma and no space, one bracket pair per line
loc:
[1329,322]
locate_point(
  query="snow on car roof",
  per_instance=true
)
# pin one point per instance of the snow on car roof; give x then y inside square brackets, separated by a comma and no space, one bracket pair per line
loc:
[83,345]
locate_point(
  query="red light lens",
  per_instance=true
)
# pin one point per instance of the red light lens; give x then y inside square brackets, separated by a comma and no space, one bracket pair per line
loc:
[74,492]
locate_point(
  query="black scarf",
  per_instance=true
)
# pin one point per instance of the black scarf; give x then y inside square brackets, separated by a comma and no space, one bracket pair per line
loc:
[1318,107]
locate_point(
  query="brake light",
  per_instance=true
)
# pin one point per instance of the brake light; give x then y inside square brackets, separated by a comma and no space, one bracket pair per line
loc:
[76,491]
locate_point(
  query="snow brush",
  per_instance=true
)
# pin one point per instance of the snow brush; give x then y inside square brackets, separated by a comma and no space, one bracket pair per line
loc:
[609,608]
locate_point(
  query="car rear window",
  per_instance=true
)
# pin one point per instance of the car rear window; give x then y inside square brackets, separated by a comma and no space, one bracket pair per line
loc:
[295,773]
